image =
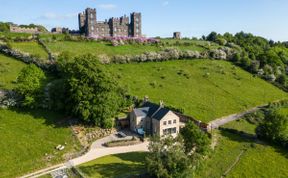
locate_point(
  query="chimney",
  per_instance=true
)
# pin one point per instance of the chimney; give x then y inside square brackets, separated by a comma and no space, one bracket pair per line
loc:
[146,99]
[161,104]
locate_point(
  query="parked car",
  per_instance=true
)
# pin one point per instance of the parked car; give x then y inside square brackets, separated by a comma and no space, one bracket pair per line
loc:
[121,134]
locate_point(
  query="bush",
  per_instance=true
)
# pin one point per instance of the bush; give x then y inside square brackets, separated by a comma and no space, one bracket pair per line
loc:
[274,128]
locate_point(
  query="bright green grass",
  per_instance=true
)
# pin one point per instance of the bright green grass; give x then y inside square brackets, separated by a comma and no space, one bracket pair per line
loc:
[262,161]
[10,35]
[119,165]
[99,48]
[283,111]
[227,90]
[259,161]
[241,125]
[27,136]
[9,70]
[33,48]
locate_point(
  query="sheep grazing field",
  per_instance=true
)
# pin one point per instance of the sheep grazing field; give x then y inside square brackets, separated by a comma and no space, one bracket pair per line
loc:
[205,89]
[28,141]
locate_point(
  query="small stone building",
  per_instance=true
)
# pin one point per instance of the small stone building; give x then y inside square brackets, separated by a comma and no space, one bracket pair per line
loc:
[177,35]
[18,29]
[155,120]
[59,30]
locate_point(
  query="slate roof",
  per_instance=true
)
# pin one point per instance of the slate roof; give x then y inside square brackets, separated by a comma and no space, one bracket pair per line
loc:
[160,114]
[151,110]
[141,112]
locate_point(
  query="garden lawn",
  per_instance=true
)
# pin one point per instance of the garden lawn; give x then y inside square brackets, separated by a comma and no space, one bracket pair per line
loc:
[119,165]
[205,89]
[33,48]
[9,70]
[26,136]
[260,159]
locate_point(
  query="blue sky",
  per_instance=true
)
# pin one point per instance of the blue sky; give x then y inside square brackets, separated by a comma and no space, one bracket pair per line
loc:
[266,18]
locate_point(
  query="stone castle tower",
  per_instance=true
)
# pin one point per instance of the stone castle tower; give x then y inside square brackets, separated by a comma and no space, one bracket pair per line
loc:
[114,27]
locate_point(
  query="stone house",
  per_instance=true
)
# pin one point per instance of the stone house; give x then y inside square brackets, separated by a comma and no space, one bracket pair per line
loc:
[154,119]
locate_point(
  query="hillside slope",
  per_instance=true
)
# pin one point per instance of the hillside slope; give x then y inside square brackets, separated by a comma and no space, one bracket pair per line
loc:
[205,89]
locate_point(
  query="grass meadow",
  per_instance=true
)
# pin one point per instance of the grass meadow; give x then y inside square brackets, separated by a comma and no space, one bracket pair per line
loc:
[101,48]
[28,138]
[205,89]
[9,70]
[260,159]
[115,166]
[33,48]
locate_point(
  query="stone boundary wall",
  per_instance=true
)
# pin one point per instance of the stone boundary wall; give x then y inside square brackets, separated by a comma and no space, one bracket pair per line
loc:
[50,54]
[25,57]
[169,54]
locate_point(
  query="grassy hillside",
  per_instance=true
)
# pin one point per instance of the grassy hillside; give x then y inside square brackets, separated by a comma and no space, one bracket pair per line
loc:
[33,48]
[27,136]
[205,89]
[9,70]
[119,165]
[98,48]
[253,161]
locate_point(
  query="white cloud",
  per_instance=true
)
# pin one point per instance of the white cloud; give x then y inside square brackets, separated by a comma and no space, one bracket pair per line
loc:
[54,16]
[165,3]
[107,6]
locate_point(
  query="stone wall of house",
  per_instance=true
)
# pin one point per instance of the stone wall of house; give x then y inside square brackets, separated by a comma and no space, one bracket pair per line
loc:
[169,117]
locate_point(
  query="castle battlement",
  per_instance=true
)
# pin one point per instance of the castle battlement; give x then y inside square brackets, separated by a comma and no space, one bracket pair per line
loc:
[113,27]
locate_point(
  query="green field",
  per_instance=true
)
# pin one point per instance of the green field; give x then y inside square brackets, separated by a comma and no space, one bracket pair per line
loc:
[9,70]
[260,159]
[241,125]
[119,165]
[205,89]
[13,36]
[27,136]
[33,48]
[100,48]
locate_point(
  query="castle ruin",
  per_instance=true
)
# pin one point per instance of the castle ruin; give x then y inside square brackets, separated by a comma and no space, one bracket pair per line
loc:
[114,27]
[18,29]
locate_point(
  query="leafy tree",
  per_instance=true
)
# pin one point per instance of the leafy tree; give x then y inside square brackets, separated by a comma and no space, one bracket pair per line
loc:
[59,99]
[212,37]
[274,128]
[167,158]
[94,95]
[195,140]
[4,27]
[282,79]
[30,82]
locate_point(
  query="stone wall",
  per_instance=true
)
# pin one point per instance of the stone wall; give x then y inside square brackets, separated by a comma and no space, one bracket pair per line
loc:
[114,27]
[17,29]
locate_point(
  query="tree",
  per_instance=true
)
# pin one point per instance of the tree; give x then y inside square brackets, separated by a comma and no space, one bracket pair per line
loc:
[167,158]
[274,128]
[30,82]
[212,37]
[94,95]
[195,140]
